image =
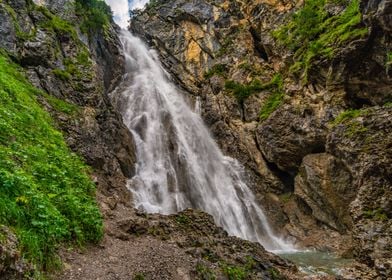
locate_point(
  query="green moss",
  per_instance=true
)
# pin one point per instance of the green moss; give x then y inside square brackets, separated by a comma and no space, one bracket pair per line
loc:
[58,25]
[355,128]
[272,103]
[346,116]
[182,219]
[204,272]
[217,69]
[312,33]
[275,274]
[60,105]
[388,105]
[139,276]
[18,30]
[62,74]
[375,214]
[233,272]
[242,92]
[286,197]
[47,195]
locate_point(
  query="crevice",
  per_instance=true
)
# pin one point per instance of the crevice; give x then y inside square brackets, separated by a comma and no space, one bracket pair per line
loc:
[260,49]
[286,178]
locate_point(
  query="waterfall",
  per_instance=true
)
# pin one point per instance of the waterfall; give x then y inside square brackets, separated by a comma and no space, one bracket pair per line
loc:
[179,165]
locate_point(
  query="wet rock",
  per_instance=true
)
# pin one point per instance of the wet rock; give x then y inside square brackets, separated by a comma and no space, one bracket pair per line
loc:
[363,144]
[324,183]
[7,30]
[287,137]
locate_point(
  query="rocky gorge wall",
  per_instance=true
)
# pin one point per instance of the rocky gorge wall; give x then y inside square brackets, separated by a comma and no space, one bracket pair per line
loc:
[308,114]
[73,57]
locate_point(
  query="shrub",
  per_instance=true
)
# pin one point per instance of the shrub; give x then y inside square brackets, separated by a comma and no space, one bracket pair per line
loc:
[47,196]
[96,14]
[217,69]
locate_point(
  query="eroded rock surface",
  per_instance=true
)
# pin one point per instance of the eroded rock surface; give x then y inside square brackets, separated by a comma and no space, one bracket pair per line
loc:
[309,184]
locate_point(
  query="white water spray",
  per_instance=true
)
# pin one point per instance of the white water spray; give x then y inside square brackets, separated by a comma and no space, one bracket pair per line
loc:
[179,164]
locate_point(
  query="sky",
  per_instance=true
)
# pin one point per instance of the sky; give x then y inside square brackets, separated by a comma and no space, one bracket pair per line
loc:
[120,9]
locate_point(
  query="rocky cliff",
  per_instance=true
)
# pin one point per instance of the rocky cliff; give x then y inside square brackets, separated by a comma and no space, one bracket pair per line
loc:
[71,55]
[300,93]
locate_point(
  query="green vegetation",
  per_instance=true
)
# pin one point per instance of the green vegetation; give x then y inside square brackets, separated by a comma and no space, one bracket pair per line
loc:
[241,91]
[60,105]
[217,69]
[275,274]
[96,15]
[376,214]
[58,25]
[182,219]
[346,116]
[388,64]
[47,196]
[138,276]
[204,272]
[353,127]
[286,197]
[62,74]
[234,272]
[313,33]
[20,34]
[275,99]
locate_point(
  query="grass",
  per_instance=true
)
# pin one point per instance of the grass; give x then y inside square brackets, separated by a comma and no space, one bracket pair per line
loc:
[313,33]
[47,195]
[243,91]
[60,105]
[182,219]
[346,116]
[217,69]
[233,272]
[204,272]
[376,214]
[18,29]
[58,25]
[275,99]
[62,74]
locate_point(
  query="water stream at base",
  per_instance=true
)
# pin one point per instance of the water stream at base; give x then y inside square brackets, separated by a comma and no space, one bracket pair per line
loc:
[179,165]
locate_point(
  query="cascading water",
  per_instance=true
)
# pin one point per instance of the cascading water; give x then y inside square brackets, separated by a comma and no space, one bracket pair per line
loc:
[179,164]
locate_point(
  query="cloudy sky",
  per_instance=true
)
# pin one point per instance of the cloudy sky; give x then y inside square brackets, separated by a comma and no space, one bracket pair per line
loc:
[120,9]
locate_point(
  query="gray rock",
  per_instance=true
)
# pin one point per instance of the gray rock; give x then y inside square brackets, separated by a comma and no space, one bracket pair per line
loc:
[324,184]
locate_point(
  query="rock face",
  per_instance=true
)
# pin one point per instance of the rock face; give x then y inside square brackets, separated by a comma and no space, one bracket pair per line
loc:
[316,178]
[364,145]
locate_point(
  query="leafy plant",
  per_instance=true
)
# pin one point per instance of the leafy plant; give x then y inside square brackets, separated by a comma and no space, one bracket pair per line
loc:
[47,196]
[217,69]
[204,272]
[234,272]
[96,15]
